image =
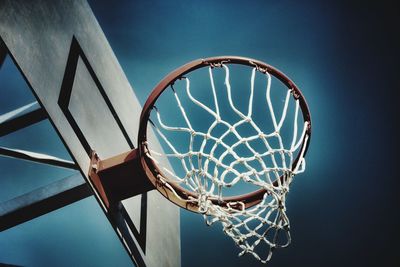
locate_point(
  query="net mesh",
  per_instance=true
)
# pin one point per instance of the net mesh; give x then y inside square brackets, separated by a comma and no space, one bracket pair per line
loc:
[257,230]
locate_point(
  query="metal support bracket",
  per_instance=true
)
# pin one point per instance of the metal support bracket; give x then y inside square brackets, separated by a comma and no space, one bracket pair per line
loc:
[119,177]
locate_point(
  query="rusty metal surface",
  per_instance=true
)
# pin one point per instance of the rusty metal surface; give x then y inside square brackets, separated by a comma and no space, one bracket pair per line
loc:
[119,177]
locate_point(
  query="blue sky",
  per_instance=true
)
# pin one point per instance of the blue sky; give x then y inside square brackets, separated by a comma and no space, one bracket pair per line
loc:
[342,55]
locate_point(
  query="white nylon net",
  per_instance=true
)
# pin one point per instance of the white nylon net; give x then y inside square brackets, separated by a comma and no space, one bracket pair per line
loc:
[257,230]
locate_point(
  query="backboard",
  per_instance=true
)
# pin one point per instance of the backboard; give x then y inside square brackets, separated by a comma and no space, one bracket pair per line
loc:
[70,67]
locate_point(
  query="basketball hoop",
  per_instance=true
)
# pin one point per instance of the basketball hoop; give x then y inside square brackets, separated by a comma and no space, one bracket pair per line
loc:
[254,219]
[234,169]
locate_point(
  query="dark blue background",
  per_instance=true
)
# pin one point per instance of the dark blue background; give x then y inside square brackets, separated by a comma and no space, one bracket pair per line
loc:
[344,57]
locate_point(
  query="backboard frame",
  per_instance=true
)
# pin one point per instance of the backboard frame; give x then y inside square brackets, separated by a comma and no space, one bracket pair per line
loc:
[49,52]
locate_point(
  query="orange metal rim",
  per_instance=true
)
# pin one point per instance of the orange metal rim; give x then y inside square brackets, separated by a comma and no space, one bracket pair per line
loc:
[185,197]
